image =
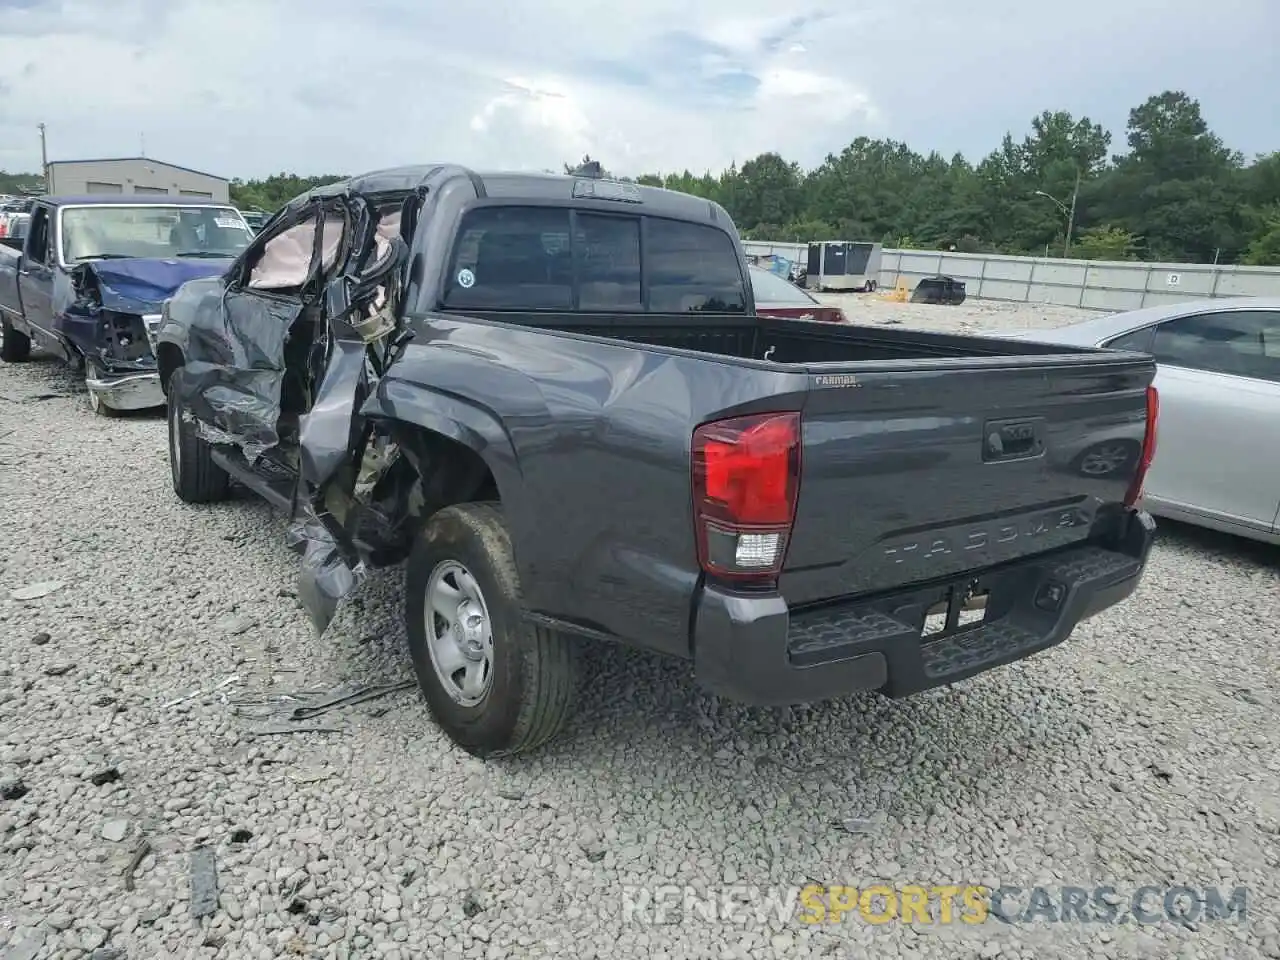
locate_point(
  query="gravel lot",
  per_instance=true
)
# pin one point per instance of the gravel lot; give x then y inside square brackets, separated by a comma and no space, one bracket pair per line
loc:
[1144,751]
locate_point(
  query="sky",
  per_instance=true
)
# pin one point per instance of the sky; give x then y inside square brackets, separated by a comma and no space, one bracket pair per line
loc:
[247,88]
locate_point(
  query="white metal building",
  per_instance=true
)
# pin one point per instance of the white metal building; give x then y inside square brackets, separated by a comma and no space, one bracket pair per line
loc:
[134,175]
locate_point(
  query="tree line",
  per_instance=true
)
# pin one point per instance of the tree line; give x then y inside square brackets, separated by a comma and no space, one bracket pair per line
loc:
[1176,193]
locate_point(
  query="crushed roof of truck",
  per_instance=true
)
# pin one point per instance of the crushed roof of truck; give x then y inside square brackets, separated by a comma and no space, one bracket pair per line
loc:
[511,184]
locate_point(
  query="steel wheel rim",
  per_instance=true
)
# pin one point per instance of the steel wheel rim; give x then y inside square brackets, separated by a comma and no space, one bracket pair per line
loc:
[175,440]
[1106,460]
[459,633]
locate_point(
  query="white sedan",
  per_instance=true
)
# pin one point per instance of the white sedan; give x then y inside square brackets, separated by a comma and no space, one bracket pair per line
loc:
[1217,459]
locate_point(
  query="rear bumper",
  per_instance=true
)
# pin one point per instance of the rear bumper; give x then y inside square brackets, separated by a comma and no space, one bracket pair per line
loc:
[750,648]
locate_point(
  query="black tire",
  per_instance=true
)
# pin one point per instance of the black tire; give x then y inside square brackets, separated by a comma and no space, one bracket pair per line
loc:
[16,346]
[196,478]
[871,286]
[533,677]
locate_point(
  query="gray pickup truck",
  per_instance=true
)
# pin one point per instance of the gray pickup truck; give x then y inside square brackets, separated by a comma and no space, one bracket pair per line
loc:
[552,396]
[86,279]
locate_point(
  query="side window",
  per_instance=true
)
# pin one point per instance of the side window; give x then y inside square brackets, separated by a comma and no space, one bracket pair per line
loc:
[38,236]
[1245,343]
[1136,340]
[692,268]
[608,251]
[512,258]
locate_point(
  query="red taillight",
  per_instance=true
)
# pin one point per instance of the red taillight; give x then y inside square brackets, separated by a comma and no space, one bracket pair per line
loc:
[834,315]
[1148,449]
[746,479]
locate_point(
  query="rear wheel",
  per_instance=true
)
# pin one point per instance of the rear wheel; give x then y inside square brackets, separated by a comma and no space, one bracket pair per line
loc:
[196,478]
[871,286]
[16,346]
[496,684]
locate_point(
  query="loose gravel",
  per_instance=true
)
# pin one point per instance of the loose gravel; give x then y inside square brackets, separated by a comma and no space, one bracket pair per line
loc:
[1143,751]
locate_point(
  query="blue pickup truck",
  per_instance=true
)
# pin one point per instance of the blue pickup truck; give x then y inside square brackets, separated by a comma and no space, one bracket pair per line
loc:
[87,280]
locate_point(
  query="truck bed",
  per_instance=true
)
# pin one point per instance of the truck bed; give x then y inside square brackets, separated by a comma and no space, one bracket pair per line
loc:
[781,341]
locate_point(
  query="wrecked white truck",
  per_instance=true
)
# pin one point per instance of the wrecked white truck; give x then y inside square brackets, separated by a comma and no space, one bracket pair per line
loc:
[553,397]
[86,280]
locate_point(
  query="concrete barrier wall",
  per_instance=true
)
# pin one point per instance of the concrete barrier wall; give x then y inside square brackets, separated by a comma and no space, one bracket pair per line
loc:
[1092,284]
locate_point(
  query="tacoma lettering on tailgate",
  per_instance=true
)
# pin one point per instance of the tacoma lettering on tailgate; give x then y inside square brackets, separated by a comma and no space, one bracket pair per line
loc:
[963,546]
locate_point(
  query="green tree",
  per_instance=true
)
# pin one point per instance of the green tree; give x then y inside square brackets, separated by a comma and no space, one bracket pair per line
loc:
[275,191]
[1104,243]
[1178,186]
[1264,251]
[20,184]
[765,190]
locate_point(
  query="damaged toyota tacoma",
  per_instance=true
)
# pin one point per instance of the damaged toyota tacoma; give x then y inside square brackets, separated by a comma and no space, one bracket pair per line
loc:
[552,397]
[87,280]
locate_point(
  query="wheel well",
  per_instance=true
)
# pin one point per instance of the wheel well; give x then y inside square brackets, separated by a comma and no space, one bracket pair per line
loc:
[168,359]
[450,472]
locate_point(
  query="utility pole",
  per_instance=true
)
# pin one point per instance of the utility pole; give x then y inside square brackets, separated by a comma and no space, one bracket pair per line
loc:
[1071,217]
[1068,212]
[44,158]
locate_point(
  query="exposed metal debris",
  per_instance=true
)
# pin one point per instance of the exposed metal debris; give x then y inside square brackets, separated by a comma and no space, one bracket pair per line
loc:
[284,730]
[204,882]
[307,711]
[131,868]
[203,693]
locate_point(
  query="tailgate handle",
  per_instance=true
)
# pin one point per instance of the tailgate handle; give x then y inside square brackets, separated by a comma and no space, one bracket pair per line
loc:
[1013,439]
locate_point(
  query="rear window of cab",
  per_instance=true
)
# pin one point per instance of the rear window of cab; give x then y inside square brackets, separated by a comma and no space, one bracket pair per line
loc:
[558,258]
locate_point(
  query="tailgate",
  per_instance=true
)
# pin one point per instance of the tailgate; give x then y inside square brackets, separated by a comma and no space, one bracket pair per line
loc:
[933,470]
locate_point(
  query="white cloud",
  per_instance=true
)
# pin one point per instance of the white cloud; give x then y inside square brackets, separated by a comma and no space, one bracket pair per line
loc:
[246,88]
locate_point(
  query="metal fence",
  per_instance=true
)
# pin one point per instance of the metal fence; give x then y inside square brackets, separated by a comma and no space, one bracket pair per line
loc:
[1091,284]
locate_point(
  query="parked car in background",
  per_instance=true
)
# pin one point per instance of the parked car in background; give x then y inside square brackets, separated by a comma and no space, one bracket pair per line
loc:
[87,281]
[255,218]
[553,398]
[776,297]
[13,224]
[1218,375]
